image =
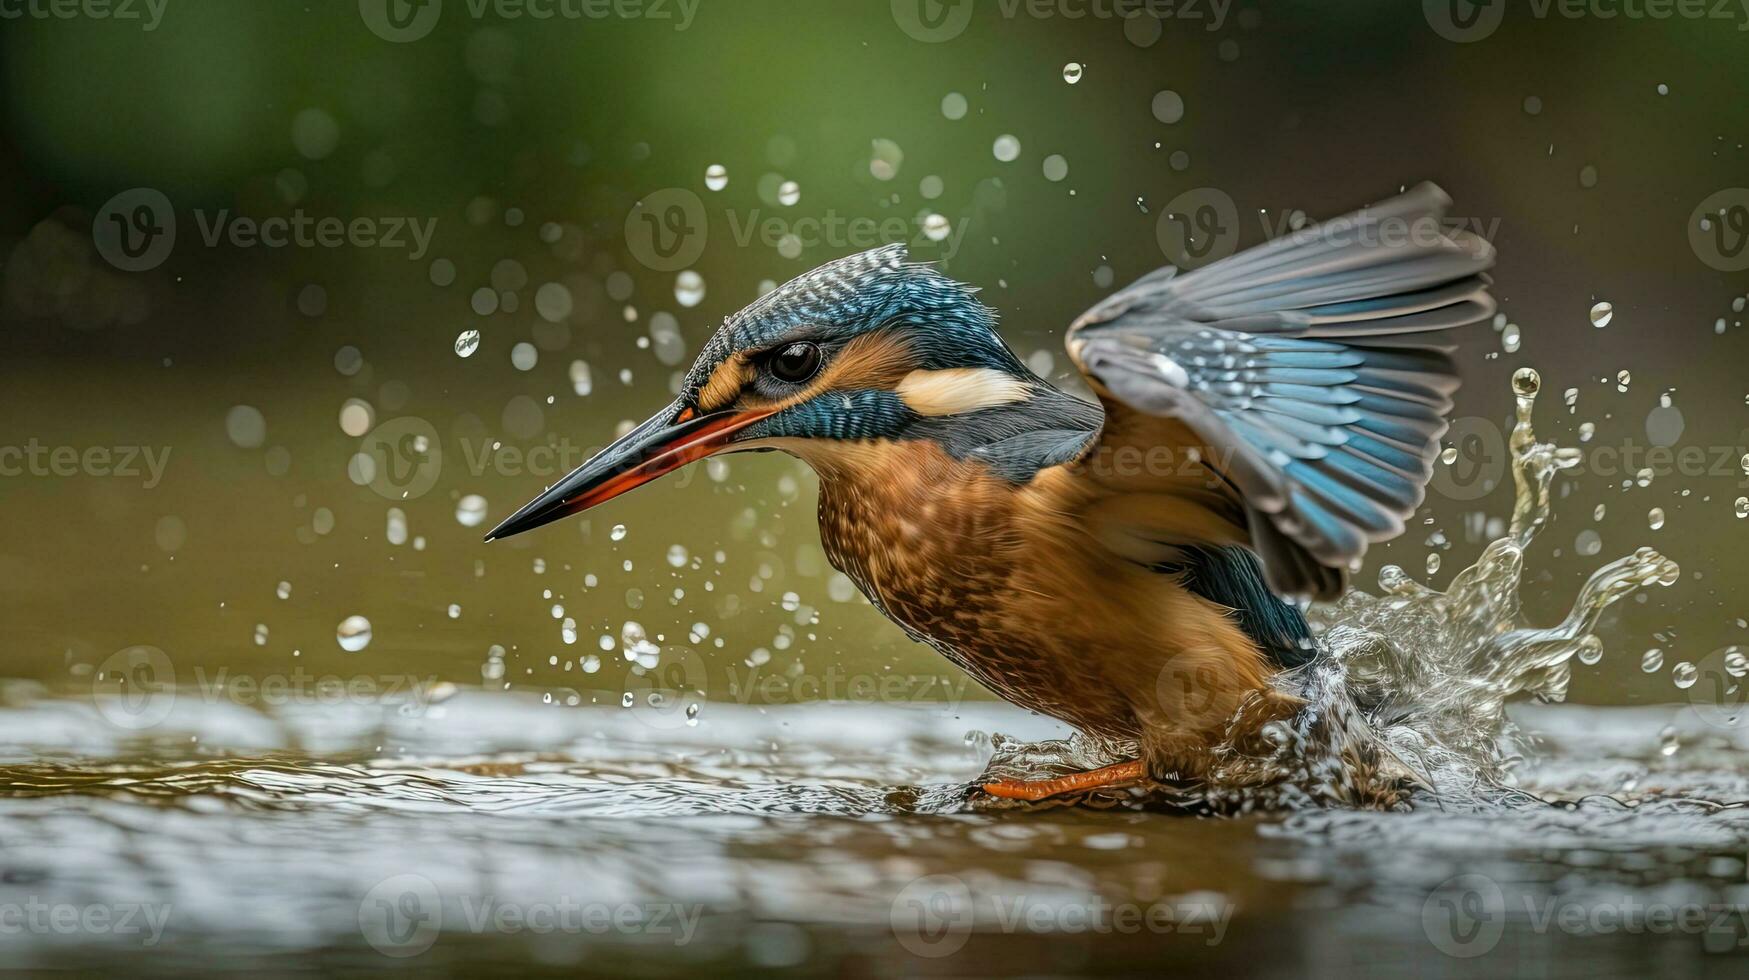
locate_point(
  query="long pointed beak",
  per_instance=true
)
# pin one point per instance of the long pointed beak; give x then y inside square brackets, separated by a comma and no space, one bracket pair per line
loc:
[668,441]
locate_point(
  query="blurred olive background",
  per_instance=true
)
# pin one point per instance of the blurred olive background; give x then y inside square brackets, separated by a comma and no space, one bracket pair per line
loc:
[1583,145]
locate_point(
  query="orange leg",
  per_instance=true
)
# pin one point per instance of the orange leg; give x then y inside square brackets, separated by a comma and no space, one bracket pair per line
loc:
[1121,774]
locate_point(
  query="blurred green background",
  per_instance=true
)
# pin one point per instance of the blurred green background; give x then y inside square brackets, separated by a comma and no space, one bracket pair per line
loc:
[1585,145]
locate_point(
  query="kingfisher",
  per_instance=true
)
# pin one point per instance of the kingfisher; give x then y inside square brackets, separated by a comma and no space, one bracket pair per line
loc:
[1137,567]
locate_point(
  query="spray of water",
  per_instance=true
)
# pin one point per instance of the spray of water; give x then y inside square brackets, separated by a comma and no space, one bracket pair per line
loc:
[1408,702]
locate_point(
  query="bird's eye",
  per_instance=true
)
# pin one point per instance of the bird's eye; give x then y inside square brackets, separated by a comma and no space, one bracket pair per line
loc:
[796,363]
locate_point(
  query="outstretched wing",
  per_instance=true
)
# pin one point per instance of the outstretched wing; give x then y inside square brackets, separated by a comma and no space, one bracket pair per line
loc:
[1308,374]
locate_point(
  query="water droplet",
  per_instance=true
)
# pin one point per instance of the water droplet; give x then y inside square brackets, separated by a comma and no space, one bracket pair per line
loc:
[1511,339]
[1684,675]
[689,288]
[625,700]
[618,533]
[1450,455]
[284,590]
[353,634]
[470,511]
[246,426]
[1168,106]
[1736,663]
[692,715]
[1056,167]
[1601,314]
[1526,382]
[716,177]
[1668,741]
[455,610]
[1433,563]
[1622,379]
[466,343]
[788,193]
[1652,660]
[1006,148]
[1072,72]
[1742,507]
[677,556]
[1655,518]
[953,105]
[1590,649]
[936,227]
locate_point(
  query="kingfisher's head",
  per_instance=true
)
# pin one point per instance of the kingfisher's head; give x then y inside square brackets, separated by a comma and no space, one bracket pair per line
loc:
[868,347]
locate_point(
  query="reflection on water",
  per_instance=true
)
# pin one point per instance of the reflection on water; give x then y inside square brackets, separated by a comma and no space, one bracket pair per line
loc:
[493,830]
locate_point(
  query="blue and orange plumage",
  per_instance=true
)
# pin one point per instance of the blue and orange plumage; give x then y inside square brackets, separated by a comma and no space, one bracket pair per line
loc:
[1117,566]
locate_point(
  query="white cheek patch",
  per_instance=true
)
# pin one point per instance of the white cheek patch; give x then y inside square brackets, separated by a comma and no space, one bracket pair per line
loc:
[956,391]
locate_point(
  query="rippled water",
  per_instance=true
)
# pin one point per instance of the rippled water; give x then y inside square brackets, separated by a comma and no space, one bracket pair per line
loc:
[1408,817]
[813,835]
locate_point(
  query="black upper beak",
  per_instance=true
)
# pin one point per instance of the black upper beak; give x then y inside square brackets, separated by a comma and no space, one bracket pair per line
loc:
[669,440]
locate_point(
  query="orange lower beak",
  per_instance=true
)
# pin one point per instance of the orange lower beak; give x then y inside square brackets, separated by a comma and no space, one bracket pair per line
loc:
[670,440]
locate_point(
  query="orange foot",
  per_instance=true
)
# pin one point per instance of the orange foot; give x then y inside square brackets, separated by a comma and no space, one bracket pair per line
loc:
[1121,774]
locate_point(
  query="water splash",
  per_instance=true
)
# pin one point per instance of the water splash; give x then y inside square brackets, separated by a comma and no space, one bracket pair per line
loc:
[1410,698]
